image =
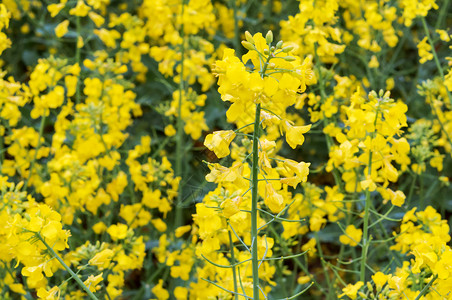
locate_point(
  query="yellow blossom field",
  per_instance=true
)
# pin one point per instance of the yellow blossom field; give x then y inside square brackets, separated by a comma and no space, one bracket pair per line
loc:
[225,149]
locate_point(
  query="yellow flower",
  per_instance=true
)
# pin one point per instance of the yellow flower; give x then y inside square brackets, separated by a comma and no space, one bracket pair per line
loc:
[368,183]
[231,206]
[80,10]
[93,281]
[294,134]
[317,220]
[351,290]
[379,279]
[102,259]
[300,169]
[54,9]
[352,236]
[310,247]
[52,294]
[97,19]
[170,130]
[424,50]
[159,224]
[117,232]
[62,28]
[398,198]
[373,63]
[180,231]
[219,141]
[303,279]
[99,227]
[180,293]
[159,291]
[273,200]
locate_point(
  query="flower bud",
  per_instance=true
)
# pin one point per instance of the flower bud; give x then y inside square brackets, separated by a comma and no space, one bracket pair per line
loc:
[289,58]
[269,37]
[279,45]
[248,45]
[249,37]
[287,49]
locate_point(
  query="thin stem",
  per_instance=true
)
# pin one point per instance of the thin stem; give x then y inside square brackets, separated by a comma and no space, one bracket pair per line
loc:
[180,124]
[286,250]
[234,275]
[254,208]
[76,278]
[236,40]
[425,289]
[324,266]
[435,56]
[77,59]
[442,14]
[254,191]
[365,242]
[226,290]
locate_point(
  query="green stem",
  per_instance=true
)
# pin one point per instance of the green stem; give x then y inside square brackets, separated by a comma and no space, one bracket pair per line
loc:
[2,151]
[442,14]
[76,278]
[234,274]
[436,115]
[254,190]
[254,196]
[35,157]
[324,266]
[410,193]
[425,289]
[365,242]
[435,56]
[236,40]
[77,59]
[180,126]
[286,251]
[362,274]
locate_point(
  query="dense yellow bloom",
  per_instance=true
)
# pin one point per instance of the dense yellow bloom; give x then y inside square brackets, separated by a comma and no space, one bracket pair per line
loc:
[71,132]
[414,8]
[425,51]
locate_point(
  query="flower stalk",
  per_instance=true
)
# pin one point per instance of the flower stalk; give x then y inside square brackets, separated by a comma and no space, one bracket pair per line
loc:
[254,198]
[66,267]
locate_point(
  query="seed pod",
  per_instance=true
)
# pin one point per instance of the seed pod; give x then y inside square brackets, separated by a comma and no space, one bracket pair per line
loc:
[269,37]
[248,45]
